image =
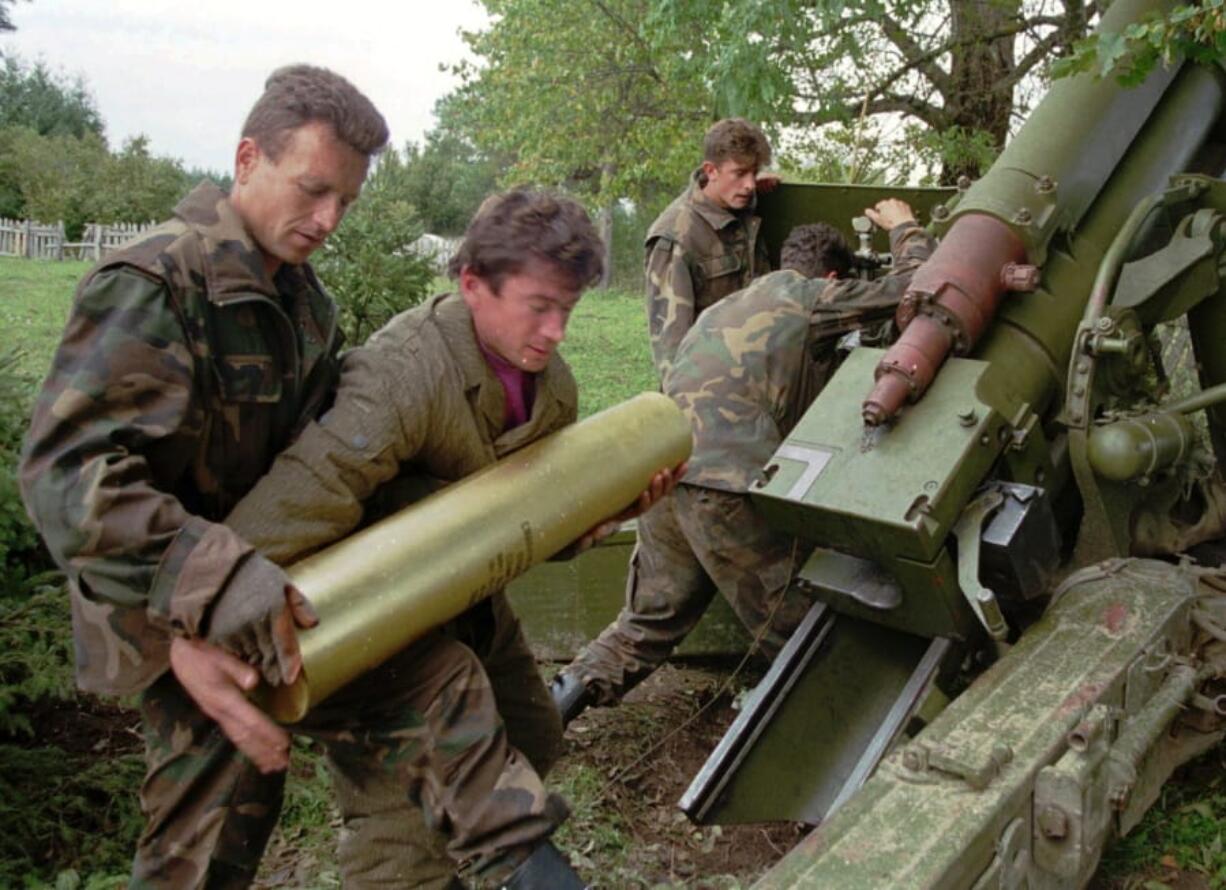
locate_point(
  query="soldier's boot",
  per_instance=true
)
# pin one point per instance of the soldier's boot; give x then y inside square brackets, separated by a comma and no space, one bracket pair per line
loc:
[545,869]
[569,695]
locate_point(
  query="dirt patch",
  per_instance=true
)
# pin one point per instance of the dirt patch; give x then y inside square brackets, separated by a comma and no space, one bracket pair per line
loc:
[627,830]
[83,725]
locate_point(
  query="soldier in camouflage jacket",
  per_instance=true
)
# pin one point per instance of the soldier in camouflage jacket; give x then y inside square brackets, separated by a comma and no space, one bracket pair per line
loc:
[190,358]
[705,245]
[744,374]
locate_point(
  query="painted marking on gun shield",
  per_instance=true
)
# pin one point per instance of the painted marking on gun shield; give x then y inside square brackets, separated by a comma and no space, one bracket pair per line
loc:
[814,459]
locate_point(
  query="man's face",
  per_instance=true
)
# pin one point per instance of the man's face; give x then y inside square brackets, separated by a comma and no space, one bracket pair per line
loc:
[525,320]
[291,205]
[730,183]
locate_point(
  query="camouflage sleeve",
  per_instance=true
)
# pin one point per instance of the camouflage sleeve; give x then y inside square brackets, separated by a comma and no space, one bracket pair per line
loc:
[910,244]
[121,383]
[313,495]
[670,301]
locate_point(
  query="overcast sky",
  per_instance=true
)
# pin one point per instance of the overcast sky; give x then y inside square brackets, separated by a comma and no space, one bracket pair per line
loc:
[185,74]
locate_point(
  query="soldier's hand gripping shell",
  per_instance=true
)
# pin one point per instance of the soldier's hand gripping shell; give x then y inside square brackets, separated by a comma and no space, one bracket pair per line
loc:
[256,619]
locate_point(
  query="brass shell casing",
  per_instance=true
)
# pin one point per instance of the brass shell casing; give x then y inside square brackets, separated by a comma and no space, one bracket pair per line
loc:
[387,585]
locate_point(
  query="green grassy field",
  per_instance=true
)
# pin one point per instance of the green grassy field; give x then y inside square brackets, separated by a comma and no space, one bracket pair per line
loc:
[68,816]
[34,301]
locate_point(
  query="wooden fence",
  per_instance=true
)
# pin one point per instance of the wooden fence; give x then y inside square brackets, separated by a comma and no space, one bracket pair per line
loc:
[43,241]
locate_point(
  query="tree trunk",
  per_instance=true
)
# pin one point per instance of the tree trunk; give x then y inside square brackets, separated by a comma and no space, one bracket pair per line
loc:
[978,65]
[604,224]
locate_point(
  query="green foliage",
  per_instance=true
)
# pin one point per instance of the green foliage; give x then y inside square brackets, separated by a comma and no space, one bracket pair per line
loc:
[49,103]
[78,180]
[55,164]
[936,64]
[136,186]
[366,264]
[1183,831]
[20,553]
[69,820]
[1194,31]
[447,177]
[611,100]
[35,656]
[592,102]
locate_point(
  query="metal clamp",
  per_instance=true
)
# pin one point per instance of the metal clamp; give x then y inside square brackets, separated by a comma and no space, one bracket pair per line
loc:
[969,532]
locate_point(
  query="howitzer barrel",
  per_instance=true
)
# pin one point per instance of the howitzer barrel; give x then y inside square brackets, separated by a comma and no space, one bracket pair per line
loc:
[380,589]
[1043,184]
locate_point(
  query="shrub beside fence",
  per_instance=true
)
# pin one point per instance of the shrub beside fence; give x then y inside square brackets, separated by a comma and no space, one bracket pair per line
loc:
[44,241]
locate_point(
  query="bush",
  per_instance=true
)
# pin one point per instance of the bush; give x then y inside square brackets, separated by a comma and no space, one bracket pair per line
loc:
[366,263]
[21,555]
[70,821]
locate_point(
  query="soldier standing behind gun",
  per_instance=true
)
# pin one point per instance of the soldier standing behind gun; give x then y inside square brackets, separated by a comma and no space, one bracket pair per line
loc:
[705,245]
[744,374]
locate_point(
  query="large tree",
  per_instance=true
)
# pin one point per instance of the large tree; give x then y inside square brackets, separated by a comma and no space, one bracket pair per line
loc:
[948,70]
[447,176]
[612,95]
[583,98]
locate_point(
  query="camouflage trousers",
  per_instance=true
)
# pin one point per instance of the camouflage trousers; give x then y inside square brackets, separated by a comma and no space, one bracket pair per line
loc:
[693,543]
[426,774]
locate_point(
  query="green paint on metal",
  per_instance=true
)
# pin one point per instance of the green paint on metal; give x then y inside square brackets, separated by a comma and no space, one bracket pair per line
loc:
[563,605]
[921,822]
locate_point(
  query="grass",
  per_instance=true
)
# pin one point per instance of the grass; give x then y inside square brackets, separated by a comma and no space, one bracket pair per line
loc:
[1182,834]
[34,301]
[606,346]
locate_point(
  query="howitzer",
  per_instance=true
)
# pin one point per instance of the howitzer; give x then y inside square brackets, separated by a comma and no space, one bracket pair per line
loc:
[1021,432]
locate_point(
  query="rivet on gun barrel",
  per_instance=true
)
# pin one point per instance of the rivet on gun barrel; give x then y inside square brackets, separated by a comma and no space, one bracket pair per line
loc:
[380,589]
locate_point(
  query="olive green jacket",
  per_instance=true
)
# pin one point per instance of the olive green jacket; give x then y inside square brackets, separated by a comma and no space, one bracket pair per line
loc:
[417,404]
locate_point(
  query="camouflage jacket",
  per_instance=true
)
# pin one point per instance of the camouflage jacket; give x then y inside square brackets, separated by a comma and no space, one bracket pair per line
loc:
[416,407]
[182,371]
[750,366]
[697,254]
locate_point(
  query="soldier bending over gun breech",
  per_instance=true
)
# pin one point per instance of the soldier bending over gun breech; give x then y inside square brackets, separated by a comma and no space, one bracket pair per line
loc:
[744,374]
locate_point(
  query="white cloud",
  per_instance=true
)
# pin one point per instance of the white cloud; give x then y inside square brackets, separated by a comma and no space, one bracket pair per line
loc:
[185,75]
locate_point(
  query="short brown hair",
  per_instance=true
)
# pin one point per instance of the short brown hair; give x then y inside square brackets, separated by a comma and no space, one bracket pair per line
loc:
[735,138]
[511,229]
[301,94]
[814,250]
